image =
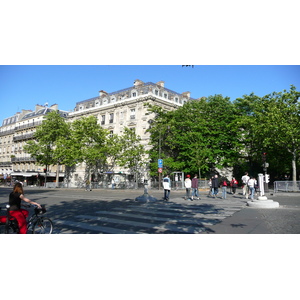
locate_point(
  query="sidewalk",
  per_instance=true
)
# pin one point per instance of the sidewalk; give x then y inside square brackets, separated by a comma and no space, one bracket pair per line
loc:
[282,220]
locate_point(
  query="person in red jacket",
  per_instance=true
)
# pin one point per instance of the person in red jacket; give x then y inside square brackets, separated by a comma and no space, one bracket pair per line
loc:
[233,184]
[15,210]
[224,189]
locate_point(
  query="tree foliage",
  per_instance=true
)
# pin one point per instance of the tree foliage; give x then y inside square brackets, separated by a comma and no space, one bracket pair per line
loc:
[85,141]
[49,137]
[272,124]
[200,135]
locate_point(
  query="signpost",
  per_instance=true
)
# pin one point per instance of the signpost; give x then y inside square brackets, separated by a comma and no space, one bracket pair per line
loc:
[160,164]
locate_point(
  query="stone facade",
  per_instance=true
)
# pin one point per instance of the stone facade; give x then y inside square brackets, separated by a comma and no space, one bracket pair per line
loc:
[125,108]
[14,133]
[114,111]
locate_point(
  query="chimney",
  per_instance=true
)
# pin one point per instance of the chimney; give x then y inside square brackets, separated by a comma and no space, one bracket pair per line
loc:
[161,84]
[186,94]
[24,112]
[54,106]
[38,107]
[102,93]
[138,82]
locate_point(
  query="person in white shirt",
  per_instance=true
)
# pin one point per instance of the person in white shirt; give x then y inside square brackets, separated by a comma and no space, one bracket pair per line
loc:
[251,184]
[167,187]
[245,179]
[188,186]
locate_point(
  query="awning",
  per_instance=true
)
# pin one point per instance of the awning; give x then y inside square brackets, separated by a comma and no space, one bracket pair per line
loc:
[24,174]
[52,174]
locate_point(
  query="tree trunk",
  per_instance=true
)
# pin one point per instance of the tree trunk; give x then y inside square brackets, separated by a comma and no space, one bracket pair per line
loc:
[57,175]
[294,170]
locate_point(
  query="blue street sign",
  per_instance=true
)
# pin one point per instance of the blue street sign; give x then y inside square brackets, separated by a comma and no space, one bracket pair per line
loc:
[160,163]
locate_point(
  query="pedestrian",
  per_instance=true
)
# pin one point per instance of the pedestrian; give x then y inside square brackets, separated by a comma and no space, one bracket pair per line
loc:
[15,210]
[88,185]
[224,189]
[234,185]
[195,184]
[251,184]
[188,186]
[210,188]
[245,179]
[167,187]
[215,185]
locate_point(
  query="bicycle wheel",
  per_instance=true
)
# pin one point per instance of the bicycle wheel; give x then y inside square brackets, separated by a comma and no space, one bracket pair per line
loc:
[43,225]
[12,227]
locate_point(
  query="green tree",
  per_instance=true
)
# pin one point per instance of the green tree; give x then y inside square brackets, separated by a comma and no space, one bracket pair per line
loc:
[199,136]
[90,143]
[278,123]
[131,153]
[48,136]
[271,124]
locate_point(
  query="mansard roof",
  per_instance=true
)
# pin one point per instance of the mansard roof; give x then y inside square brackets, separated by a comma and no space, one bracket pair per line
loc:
[128,89]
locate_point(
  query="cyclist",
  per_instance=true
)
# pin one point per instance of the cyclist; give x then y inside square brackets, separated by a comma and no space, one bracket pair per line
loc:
[15,210]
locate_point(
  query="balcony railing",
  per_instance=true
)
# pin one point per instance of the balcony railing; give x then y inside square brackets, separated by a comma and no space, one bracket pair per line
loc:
[5,163]
[23,137]
[7,132]
[34,124]
[21,159]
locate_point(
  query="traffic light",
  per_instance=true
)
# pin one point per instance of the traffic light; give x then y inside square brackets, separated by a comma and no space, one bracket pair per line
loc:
[264,156]
[267,178]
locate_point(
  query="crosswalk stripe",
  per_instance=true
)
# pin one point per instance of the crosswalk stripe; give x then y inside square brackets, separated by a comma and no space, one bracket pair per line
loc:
[173,214]
[154,217]
[159,227]
[183,220]
[97,228]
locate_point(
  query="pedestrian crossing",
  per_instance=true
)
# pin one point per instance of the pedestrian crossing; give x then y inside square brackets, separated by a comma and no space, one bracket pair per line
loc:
[147,218]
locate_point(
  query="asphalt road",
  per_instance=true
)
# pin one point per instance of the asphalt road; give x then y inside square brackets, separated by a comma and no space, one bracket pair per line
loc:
[117,212]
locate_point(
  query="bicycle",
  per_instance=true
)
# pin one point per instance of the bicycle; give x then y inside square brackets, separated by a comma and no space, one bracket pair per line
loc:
[36,224]
[8,223]
[39,224]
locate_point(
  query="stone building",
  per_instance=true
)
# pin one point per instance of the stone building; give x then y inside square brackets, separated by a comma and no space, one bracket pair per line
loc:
[14,133]
[125,108]
[114,111]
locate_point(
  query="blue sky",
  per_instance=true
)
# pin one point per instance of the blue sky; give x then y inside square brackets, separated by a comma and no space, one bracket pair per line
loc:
[24,86]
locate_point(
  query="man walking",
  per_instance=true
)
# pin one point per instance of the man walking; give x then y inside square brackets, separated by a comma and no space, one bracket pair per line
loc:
[215,185]
[167,187]
[245,180]
[252,183]
[188,186]
[195,188]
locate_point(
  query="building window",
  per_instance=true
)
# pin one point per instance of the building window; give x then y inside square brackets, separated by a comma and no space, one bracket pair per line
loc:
[102,119]
[176,99]
[111,133]
[132,113]
[156,92]
[134,94]
[165,95]
[111,118]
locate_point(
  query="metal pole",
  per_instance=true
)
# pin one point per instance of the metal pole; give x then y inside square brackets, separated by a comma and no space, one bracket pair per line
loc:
[159,154]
